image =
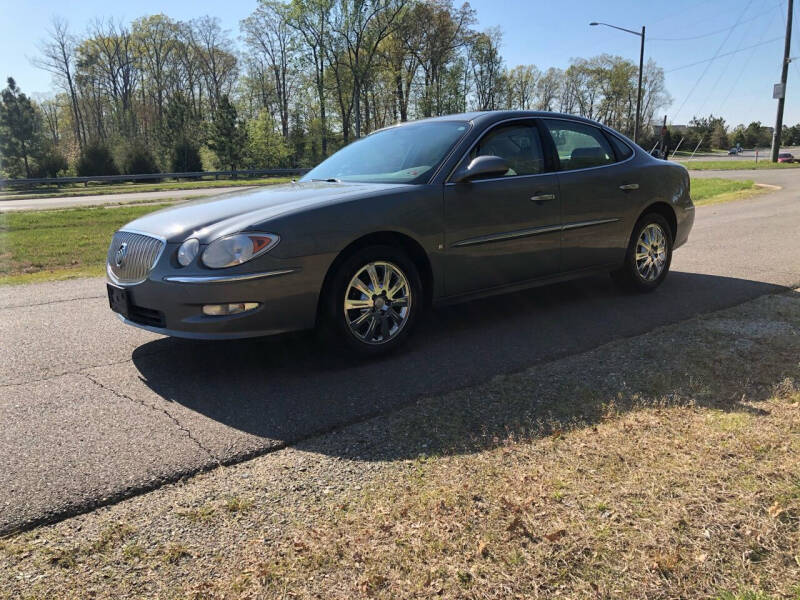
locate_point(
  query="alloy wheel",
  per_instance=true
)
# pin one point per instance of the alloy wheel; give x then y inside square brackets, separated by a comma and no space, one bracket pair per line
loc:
[377,302]
[651,252]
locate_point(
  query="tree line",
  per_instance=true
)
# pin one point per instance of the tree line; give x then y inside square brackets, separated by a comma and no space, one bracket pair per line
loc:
[298,80]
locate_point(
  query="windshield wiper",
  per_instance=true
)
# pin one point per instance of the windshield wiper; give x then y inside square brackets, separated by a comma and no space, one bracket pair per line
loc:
[328,180]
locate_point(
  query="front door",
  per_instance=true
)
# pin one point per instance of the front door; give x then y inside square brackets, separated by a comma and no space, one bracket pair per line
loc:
[503,230]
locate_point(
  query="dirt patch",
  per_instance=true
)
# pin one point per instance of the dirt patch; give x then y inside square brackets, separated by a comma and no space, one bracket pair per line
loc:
[661,466]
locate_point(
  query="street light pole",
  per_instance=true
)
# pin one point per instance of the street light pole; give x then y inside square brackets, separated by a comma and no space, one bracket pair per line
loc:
[641,69]
[776,134]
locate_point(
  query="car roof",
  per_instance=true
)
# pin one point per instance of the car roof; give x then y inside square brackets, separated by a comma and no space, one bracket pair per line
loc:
[491,116]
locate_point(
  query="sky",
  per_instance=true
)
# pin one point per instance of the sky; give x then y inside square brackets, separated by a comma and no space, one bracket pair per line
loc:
[745,36]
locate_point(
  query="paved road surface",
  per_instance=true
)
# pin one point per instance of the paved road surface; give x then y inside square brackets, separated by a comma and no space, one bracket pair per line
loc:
[92,410]
[126,198]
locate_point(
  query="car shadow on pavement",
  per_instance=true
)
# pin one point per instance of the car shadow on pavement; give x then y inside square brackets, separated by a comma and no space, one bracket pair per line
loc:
[288,389]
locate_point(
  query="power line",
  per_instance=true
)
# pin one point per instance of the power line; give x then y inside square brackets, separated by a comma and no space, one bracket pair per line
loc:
[708,63]
[724,54]
[709,34]
[749,57]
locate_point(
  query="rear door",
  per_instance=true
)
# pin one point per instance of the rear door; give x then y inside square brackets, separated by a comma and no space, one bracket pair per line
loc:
[598,188]
[503,230]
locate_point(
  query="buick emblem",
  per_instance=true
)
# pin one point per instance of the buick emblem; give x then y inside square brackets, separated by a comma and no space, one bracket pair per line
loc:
[122,251]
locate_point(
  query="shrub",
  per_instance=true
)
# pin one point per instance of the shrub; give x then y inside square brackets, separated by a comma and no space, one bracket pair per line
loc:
[96,159]
[138,160]
[50,163]
[185,157]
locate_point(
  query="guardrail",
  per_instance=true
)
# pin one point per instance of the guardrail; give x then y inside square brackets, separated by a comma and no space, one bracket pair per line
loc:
[150,176]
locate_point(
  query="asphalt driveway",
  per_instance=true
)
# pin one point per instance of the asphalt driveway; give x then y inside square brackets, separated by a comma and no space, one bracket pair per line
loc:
[93,411]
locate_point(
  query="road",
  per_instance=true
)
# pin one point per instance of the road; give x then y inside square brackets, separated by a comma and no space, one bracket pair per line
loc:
[100,199]
[93,411]
[763,154]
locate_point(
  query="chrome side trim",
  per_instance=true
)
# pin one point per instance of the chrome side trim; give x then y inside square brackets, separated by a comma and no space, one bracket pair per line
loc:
[579,224]
[510,235]
[226,278]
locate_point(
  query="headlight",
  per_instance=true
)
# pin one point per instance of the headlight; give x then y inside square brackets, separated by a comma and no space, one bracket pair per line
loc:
[188,251]
[238,248]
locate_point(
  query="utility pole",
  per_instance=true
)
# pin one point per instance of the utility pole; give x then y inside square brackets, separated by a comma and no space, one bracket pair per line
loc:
[639,91]
[776,135]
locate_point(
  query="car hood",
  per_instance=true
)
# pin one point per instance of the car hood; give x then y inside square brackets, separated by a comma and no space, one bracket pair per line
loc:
[210,218]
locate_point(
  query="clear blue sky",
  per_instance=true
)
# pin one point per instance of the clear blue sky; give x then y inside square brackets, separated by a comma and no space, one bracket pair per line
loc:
[545,33]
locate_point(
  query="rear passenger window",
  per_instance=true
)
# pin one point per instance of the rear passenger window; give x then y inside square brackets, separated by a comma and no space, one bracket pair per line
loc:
[519,145]
[622,149]
[579,146]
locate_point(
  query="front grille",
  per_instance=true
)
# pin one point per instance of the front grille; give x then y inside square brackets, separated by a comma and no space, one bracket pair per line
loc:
[136,253]
[146,316]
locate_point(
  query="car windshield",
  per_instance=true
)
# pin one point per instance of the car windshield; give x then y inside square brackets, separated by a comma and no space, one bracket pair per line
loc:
[405,154]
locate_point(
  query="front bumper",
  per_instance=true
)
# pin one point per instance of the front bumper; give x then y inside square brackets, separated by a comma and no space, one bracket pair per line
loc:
[170,301]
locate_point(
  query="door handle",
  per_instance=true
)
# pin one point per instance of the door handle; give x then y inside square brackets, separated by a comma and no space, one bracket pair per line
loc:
[629,186]
[543,197]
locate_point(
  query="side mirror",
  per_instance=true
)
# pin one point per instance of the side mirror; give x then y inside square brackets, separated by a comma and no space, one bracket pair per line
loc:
[482,166]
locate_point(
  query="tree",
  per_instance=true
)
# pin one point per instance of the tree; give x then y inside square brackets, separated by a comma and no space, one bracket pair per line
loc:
[227,135]
[58,57]
[270,37]
[487,68]
[547,88]
[310,18]
[719,137]
[185,157]
[20,131]
[359,26]
[266,148]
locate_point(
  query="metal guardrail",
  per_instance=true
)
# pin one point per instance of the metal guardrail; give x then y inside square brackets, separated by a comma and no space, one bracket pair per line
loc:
[150,176]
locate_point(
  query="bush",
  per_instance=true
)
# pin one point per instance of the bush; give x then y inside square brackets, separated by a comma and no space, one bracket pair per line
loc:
[50,163]
[138,160]
[96,159]
[185,157]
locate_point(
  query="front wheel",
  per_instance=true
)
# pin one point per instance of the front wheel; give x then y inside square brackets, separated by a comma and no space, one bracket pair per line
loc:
[648,257]
[373,300]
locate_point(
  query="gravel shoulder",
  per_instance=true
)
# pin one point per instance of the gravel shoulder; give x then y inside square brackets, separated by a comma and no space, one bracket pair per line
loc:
[658,466]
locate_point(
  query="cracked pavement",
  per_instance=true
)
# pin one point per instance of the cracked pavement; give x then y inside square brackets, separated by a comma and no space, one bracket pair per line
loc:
[92,411]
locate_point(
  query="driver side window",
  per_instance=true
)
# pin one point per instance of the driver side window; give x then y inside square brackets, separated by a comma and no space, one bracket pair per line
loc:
[518,144]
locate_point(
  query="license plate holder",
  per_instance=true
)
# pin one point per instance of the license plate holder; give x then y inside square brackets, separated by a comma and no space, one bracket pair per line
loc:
[119,300]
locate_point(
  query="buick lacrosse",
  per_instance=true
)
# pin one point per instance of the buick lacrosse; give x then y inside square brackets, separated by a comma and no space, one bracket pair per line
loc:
[434,211]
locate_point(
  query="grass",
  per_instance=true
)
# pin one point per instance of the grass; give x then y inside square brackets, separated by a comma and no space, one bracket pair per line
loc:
[654,498]
[716,190]
[125,188]
[60,244]
[63,244]
[735,165]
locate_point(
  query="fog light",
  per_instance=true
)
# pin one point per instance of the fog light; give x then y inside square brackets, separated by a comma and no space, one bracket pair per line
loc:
[218,310]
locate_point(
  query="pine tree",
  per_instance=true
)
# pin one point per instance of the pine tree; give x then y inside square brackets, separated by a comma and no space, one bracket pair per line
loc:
[20,131]
[227,135]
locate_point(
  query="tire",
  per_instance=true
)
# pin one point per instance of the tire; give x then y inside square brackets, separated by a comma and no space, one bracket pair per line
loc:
[376,323]
[646,274]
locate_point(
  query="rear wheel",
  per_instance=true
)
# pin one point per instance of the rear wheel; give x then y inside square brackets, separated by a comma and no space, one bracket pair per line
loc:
[373,300]
[648,257]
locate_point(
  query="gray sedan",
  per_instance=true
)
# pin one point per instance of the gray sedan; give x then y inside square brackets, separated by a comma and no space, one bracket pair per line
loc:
[435,211]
